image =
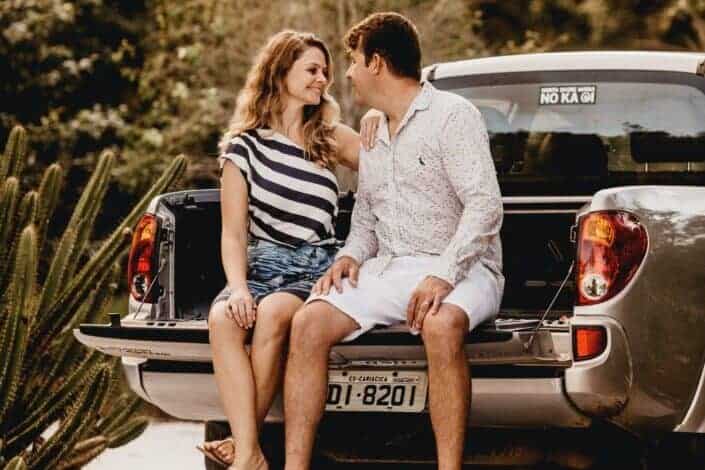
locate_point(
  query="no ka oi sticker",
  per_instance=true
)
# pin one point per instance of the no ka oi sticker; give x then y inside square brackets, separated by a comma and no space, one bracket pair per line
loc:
[570,94]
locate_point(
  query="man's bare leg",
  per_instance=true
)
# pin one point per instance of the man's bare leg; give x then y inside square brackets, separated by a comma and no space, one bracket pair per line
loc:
[315,329]
[449,382]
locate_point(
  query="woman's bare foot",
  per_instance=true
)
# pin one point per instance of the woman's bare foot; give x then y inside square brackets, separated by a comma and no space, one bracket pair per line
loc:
[223,449]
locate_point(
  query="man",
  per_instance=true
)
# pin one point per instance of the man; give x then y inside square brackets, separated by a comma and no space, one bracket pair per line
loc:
[423,246]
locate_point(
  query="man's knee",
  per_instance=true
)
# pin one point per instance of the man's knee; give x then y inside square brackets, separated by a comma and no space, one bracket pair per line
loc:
[309,327]
[446,329]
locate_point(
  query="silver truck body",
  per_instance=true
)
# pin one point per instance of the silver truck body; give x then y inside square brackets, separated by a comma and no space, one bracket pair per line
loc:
[649,379]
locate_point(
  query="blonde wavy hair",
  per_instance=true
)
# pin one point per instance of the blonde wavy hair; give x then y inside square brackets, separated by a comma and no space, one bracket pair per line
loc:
[259,103]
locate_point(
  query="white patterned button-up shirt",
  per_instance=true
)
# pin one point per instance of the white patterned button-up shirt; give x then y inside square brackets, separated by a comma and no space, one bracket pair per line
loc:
[429,190]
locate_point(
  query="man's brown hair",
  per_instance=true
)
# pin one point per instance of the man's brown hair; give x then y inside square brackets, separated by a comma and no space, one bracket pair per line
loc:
[393,37]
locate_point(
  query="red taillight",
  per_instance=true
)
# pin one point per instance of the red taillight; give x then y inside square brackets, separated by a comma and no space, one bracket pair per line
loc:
[588,342]
[140,269]
[611,247]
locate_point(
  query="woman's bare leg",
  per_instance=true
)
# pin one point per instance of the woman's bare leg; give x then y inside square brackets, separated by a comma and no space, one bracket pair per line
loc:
[267,356]
[236,385]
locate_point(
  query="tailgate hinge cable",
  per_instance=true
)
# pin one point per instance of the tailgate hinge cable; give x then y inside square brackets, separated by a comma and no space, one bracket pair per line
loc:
[149,289]
[528,344]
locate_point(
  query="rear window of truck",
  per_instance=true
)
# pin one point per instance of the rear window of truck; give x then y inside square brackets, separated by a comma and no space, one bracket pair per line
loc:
[576,132]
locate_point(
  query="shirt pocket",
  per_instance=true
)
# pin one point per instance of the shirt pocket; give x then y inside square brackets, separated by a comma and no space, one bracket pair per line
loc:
[422,169]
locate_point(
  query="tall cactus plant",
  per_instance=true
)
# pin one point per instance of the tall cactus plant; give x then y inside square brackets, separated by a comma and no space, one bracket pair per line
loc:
[45,375]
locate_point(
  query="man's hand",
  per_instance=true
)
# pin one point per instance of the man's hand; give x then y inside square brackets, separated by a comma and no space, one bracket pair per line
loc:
[426,300]
[345,266]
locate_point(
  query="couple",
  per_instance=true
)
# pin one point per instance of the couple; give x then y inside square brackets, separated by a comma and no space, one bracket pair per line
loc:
[423,246]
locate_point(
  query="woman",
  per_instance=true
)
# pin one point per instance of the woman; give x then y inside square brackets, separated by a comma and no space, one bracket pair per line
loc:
[278,190]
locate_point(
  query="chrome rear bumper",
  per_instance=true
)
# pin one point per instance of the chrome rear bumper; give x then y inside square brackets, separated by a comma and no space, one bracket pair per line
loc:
[188,391]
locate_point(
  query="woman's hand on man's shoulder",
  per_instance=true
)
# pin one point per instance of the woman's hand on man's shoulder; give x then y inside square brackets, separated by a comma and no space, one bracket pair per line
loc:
[368,128]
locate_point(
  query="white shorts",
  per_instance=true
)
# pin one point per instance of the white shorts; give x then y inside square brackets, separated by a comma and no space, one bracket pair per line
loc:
[382,299]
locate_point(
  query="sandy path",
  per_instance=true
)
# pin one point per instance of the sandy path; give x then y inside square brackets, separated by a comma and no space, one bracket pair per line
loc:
[164,445]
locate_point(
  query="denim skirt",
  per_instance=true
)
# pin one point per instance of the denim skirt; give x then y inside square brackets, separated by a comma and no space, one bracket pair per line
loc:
[276,268]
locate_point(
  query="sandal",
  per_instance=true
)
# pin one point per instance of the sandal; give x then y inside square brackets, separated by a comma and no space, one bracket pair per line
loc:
[215,457]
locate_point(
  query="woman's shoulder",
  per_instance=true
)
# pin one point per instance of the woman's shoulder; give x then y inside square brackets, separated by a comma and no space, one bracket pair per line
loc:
[230,140]
[242,138]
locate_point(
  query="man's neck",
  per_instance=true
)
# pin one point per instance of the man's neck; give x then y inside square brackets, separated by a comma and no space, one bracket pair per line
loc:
[395,101]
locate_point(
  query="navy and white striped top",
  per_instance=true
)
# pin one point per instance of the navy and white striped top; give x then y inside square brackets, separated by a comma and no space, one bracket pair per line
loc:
[292,200]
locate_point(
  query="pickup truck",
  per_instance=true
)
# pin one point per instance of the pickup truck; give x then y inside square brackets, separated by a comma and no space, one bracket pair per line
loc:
[601,162]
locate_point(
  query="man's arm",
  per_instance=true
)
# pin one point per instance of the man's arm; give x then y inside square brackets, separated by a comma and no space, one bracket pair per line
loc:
[468,163]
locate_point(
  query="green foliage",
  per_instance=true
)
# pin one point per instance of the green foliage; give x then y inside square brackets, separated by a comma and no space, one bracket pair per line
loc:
[172,70]
[45,375]
[54,53]
[535,25]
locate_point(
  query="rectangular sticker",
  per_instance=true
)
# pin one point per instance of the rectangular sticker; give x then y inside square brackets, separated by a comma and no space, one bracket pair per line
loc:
[570,94]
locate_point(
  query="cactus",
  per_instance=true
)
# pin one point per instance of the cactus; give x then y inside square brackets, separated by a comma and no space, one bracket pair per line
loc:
[50,408]
[16,464]
[79,417]
[16,315]
[127,432]
[57,313]
[45,374]
[28,210]
[88,206]
[15,151]
[119,417]
[53,281]
[84,452]
[49,192]
[9,195]
[26,215]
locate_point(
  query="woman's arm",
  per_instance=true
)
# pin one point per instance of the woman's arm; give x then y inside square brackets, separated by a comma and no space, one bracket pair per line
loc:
[233,206]
[348,145]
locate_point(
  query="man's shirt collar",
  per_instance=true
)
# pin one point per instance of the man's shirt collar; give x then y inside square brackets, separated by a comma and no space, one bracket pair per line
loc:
[421,102]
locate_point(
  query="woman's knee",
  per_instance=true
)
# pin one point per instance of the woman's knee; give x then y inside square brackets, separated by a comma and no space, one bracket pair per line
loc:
[220,324]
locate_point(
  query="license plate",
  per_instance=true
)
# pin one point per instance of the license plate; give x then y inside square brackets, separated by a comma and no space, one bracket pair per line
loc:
[396,391]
